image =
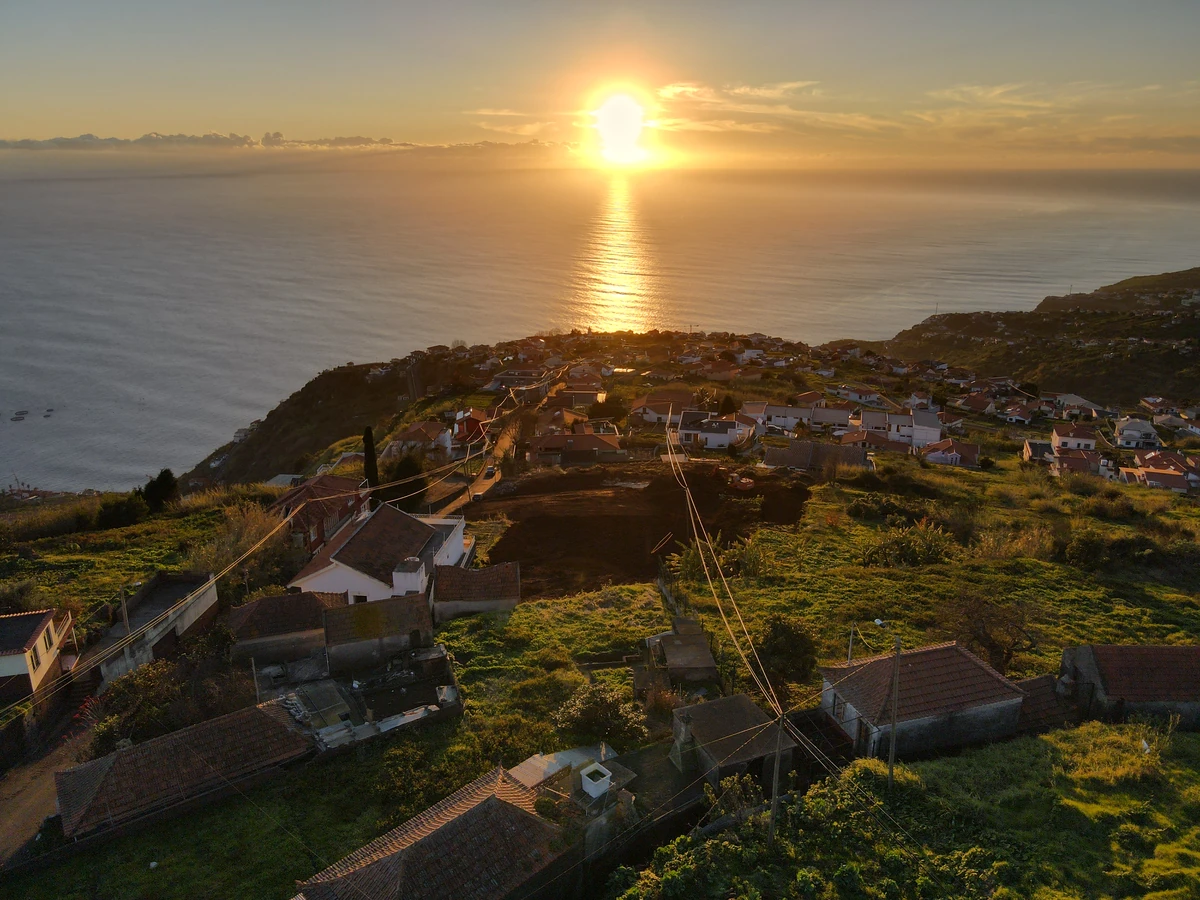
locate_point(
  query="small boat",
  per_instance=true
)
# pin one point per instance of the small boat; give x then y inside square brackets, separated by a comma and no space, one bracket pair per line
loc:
[17,419]
[21,412]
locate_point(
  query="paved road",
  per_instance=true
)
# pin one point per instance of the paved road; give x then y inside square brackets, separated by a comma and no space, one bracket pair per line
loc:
[27,794]
[482,484]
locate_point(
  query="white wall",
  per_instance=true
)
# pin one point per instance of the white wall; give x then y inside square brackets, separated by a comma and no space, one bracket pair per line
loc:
[337,578]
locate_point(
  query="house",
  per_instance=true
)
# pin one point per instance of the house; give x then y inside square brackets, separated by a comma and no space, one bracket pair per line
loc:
[921,400]
[366,635]
[1076,462]
[950,421]
[720,370]
[169,607]
[1072,437]
[388,552]
[1166,479]
[31,650]
[1158,406]
[1171,461]
[807,456]
[486,841]
[424,438]
[558,421]
[654,408]
[756,412]
[576,449]
[874,420]
[977,403]
[1136,434]
[871,440]
[1037,451]
[728,736]
[470,425]
[170,774]
[1177,424]
[952,452]
[683,652]
[789,418]
[283,627]
[322,504]
[947,698]
[1017,414]
[1116,681]
[457,591]
[835,415]
[857,394]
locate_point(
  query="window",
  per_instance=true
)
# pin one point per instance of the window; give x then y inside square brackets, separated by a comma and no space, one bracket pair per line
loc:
[36,659]
[360,598]
[48,638]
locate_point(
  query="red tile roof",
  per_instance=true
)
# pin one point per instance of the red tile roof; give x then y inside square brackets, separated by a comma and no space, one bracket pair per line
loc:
[283,614]
[20,631]
[163,771]
[377,619]
[499,582]
[374,547]
[934,680]
[326,495]
[480,843]
[1075,432]
[1145,674]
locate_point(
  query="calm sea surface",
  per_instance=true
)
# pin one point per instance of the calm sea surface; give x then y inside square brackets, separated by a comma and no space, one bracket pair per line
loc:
[154,315]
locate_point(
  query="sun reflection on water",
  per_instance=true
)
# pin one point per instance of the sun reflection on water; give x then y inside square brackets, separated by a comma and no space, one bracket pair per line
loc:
[616,285]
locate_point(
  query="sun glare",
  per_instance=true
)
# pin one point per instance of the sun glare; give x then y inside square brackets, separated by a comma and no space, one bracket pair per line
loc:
[619,124]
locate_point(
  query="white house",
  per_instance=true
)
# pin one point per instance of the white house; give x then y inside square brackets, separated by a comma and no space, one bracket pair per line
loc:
[1136,434]
[30,651]
[387,553]
[856,394]
[1072,437]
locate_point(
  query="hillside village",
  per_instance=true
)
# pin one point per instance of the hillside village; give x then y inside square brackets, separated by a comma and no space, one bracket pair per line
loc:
[530,505]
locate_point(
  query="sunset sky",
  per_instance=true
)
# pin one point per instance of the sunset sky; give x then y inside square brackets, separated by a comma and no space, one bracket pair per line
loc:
[1079,83]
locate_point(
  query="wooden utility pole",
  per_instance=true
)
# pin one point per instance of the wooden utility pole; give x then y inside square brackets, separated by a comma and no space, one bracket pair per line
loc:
[124,611]
[895,704]
[850,651]
[775,786]
[254,675]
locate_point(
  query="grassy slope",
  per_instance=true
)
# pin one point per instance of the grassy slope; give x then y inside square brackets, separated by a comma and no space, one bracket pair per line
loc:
[513,670]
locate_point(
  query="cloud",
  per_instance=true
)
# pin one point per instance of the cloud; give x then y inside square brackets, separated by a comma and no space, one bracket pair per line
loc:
[776,90]
[273,140]
[522,129]
[492,112]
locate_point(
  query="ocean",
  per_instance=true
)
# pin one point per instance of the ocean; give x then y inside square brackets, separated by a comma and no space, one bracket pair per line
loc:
[146,316]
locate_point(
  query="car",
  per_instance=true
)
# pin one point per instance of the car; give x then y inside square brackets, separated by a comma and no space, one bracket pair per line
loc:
[477,496]
[490,472]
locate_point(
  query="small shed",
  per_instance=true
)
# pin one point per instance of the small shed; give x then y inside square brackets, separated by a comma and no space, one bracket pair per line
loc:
[1113,681]
[684,653]
[728,736]
[366,635]
[457,591]
[283,627]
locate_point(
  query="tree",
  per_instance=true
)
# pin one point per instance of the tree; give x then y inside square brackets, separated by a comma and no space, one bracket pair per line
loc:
[728,405]
[995,629]
[600,711]
[787,651]
[407,496]
[370,464]
[160,490]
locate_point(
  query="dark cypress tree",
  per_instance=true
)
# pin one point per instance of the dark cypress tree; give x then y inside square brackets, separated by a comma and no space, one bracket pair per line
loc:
[370,464]
[728,405]
[160,490]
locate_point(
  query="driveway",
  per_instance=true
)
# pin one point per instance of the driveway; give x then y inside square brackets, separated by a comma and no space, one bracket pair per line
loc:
[27,793]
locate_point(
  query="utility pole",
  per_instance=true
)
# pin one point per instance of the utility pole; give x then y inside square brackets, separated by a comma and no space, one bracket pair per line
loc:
[775,786]
[895,698]
[124,611]
[254,675]
[850,651]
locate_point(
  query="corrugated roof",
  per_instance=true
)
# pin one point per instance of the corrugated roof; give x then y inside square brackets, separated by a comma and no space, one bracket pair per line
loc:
[19,631]
[934,680]
[283,614]
[160,772]
[499,582]
[1149,673]
[377,619]
[479,843]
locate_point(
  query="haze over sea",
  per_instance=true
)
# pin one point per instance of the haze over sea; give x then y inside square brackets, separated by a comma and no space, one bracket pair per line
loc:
[155,315]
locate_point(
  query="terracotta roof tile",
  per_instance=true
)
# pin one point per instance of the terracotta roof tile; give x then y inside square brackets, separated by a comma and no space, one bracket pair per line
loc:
[499,582]
[934,680]
[479,843]
[375,546]
[379,618]
[1142,674]
[160,772]
[283,614]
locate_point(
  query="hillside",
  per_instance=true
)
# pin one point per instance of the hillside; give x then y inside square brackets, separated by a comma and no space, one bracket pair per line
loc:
[1119,343]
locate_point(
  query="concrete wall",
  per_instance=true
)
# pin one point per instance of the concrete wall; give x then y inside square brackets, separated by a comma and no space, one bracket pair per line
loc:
[189,619]
[1079,663]
[280,648]
[338,578]
[370,653]
[978,725]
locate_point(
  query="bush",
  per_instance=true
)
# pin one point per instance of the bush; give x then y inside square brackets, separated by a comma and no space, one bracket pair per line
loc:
[598,711]
[986,462]
[118,512]
[920,545]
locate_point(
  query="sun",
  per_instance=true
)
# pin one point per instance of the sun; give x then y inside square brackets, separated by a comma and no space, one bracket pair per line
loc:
[619,122]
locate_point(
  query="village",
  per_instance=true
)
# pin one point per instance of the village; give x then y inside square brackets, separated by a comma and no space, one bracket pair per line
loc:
[351,652]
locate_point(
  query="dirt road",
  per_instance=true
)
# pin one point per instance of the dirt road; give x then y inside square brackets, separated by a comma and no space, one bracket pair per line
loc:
[27,794]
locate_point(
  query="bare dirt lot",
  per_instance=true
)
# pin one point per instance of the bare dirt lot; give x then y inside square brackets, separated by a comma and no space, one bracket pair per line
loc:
[581,529]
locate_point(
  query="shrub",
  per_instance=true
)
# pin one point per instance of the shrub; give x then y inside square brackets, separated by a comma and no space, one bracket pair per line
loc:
[117,512]
[922,544]
[986,462]
[598,711]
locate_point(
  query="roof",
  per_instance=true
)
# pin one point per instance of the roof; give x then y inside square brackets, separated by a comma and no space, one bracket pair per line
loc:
[732,730]
[968,453]
[282,614]
[1078,432]
[499,582]
[1042,709]
[163,771]
[324,494]
[549,443]
[678,399]
[1149,673]
[19,631]
[422,431]
[375,547]
[480,843]
[934,680]
[687,651]
[377,619]
[808,398]
[541,767]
